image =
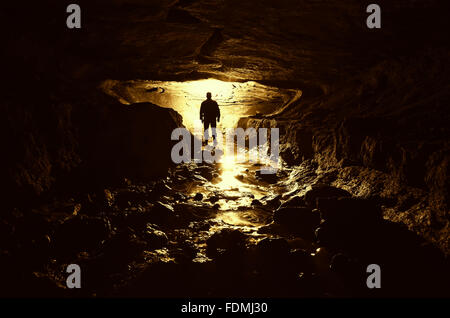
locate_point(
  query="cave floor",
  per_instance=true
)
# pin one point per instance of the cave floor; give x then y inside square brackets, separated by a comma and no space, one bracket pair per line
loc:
[207,230]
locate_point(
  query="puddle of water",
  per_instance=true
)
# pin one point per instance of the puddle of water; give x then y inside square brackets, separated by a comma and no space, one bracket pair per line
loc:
[236,218]
[236,185]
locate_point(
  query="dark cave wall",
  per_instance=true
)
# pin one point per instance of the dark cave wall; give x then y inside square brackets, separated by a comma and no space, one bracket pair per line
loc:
[54,144]
[383,120]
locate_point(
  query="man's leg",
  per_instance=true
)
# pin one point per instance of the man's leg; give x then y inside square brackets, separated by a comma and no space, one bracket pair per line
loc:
[205,127]
[213,129]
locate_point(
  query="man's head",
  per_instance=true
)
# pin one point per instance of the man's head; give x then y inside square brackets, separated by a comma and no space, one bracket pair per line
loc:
[208,95]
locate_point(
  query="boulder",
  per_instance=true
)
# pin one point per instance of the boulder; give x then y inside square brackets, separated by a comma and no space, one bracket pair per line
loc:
[226,240]
[301,261]
[340,263]
[115,256]
[29,226]
[256,202]
[185,252]
[161,213]
[362,239]
[135,141]
[294,201]
[177,196]
[198,197]
[327,235]
[272,257]
[348,210]
[272,200]
[155,238]
[123,247]
[213,199]
[270,248]
[81,233]
[300,220]
[323,191]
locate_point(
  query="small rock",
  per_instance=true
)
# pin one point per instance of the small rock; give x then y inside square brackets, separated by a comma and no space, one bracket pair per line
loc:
[256,202]
[161,213]
[214,199]
[198,197]
[179,196]
[339,263]
[200,178]
[155,238]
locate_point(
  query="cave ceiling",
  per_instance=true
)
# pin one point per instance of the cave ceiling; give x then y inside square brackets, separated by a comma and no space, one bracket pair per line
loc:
[287,43]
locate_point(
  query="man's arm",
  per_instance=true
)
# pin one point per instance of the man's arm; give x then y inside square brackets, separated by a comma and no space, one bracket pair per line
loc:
[202,111]
[218,112]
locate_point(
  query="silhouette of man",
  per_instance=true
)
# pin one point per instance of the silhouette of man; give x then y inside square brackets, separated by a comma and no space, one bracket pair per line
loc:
[209,112]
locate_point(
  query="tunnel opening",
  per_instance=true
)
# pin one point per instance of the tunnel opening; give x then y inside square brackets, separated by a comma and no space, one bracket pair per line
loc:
[233,184]
[236,99]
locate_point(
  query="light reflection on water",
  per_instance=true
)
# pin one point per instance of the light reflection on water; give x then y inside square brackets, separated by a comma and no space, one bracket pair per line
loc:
[234,218]
[236,186]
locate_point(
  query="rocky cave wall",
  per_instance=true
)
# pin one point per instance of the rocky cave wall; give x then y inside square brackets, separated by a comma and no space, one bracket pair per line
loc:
[374,102]
[384,135]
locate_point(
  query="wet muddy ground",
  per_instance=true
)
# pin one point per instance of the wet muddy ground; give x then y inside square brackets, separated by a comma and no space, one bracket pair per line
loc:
[216,230]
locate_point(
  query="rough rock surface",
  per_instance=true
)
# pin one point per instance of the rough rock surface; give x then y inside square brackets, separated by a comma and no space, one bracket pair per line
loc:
[377,135]
[83,141]
[374,108]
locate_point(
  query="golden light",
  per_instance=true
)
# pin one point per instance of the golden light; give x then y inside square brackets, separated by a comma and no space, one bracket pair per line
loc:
[235,99]
[230,170]
[221,91]
[233,218]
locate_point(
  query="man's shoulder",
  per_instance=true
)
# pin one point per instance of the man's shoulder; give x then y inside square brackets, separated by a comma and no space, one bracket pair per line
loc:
[209,102]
